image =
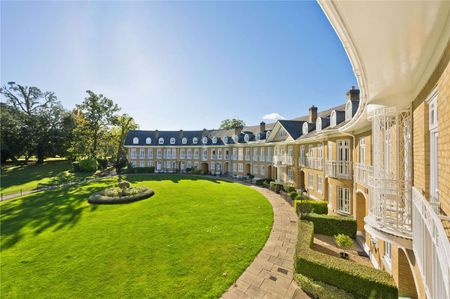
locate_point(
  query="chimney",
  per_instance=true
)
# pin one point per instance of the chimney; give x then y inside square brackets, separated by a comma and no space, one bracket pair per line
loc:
[181,133]
[262,127]
[205,133]
[353,94]
[312,114]
[238,130]
[156,133]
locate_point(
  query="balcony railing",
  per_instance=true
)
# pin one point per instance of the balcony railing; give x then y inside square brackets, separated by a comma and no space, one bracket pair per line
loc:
[362,173]
[431,247]
[283,160]
[339,169]
[314,163]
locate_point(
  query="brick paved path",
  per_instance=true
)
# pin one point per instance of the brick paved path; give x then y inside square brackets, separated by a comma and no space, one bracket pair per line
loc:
[271,273]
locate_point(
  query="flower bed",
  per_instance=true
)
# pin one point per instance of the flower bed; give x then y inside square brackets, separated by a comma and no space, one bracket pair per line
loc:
[118,195]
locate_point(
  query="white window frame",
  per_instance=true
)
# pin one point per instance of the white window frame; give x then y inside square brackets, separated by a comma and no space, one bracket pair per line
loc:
[196,154]
[159,153]
[133,153]
[348,110]
[182,156]
[184,140]
[434,136]
[150,153]
[255,154]
[172,140]
[246,137]
[189,153]
[333,119]
[255,169]
[261,154]
[148,140]
[240,167]
[142,154]
[219,154]
[240,153]
[247,154]
[319,184]
[319,124]
[362,151]
[204,140]
[204,154]
[195,140]
[387,256]
[214,140]
[142,163]
[305,128]
[161,140]
[225,139]
[135,140]
[263,170]
[344,198]
[310,181]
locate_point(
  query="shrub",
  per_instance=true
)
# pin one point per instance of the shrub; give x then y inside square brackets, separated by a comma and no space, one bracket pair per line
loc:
[88,165]
[343,241]
[293,195]
[359,280]
[76,166]
[102,163]
[276,187]
[332,225]
[310,206]
[123,184]
[150,169]
[259,182]
[318,289]
[288,188]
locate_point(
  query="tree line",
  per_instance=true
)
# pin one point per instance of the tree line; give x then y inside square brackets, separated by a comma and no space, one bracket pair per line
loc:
[34,123]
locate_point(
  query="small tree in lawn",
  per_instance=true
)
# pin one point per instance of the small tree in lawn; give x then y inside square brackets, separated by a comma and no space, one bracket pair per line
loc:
[344,242]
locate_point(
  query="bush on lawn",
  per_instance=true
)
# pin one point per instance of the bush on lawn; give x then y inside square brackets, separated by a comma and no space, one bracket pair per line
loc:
[88,165]
[359,280]
[310,206]
[332,225]
[318,289]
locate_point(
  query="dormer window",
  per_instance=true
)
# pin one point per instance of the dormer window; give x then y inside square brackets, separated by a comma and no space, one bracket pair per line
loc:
[225,139]
[205,140]
[172,140]
[161,140]
[246,137]
[333,119]
[135,140]
[348,111]
[319,124]
[195,140]
[268,134]
[184,140]
[305,128]
[214,140]
[258,136]
[236,138]
[148,140]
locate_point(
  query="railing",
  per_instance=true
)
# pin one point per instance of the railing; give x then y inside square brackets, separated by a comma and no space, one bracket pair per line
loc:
[362,173]
[339,169]
[314,163]
[431,247]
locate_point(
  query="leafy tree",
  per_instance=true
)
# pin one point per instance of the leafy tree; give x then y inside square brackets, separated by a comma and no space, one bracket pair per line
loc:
[344,242]
[93,119]
[124,123]
[231,123]
[12,139]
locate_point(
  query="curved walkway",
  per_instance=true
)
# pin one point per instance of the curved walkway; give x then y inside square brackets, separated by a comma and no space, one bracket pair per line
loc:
[271,274]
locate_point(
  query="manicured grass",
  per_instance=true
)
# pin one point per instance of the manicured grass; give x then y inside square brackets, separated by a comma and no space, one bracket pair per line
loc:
[28,177]
[192,239]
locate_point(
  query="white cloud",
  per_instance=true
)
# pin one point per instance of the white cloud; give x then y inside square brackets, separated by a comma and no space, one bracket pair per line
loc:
[273,117]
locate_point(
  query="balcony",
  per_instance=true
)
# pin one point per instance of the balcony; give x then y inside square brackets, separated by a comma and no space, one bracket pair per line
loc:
[339,169]
[283,160]
[431,247]
[362,173]
[314,163]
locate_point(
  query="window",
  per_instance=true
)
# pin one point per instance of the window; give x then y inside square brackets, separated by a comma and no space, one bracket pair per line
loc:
[388,255]
[236,138]
[214,140]
[247,154]
[310,181]
[333,119]
[189,153]
[205,140]
[133,163]
[269,154]
[330,151]
[246,137]
[167,153]
[213,155]
[181,153]
[205,154]
[319,151]
[319,184]
[225,139]
[240,167]
[290,153]
[263,170]
[258,136]
[234,153]
[344,200]
[135,140]
[189,164]
[148,140]
[255,154]
[195,140]
[290,174]
[141,164]
[255,169]
[150,163]
[362,150]
[172,140]
[150,153]
[433,128]
[219,154]
[261,156]
[241,154]
[348,111]
[158,153]
[142,154]
[234,168]
[133,153]
[305,128]
[268,134]
[184,140]
[174,153]
[319,124]
[196,153]
[161,140]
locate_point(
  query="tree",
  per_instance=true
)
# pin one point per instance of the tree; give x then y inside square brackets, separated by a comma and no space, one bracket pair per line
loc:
[124,123]
[344,242]
[12,140]
[93,119]
[231,124]
[37,113]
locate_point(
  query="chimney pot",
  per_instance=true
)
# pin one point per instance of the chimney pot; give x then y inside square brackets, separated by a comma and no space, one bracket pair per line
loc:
[262,127]
[312,114]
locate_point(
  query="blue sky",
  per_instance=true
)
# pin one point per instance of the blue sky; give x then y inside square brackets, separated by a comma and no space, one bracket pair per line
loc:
[174,65]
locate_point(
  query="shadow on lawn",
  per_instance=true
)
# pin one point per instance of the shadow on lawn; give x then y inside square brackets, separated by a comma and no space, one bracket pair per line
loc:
[53,209]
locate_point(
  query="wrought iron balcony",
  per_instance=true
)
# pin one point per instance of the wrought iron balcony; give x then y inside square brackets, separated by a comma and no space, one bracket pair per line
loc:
[431,247]
[362,173]
[339,169]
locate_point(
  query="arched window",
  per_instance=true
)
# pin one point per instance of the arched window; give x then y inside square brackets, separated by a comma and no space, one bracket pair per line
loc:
[205,140]
[225,139]
[195,140]
[246,137]
[135,140]
[348,111]
[148,140]
[333,119]
[184,140]
[319,124]
[214,140]
[172,140]
[161,140]
[305,128]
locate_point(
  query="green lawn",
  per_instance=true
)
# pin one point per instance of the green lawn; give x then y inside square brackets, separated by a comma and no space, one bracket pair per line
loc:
[28,177]
[192,239]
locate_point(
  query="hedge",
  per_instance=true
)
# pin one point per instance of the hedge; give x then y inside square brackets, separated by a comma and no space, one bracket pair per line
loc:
[276,187]
[359,280]
[315,206]
[150,169]
[332,225]
[318,289]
